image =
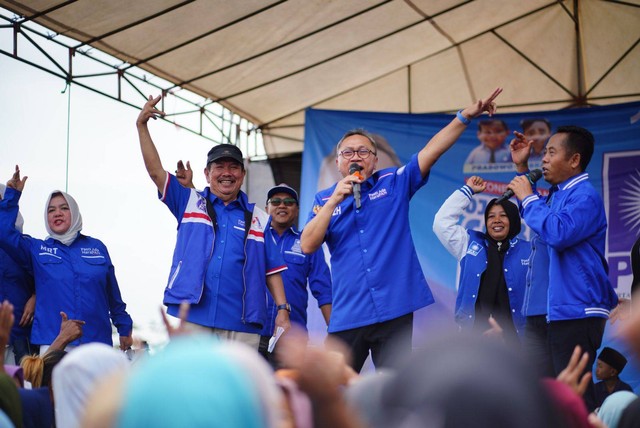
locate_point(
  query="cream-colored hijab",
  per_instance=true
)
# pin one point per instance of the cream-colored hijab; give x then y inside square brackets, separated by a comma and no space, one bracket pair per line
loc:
[76,219]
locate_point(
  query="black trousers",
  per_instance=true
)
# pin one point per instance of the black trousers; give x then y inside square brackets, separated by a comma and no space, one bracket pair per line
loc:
[535,344]
[563,338]
[387,341]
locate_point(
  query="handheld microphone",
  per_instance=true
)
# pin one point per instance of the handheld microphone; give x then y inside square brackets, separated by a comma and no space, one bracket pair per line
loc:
[356,168]
[533,176]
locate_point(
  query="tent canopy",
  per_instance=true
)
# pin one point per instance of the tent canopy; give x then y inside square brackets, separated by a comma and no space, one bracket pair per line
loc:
[269,60]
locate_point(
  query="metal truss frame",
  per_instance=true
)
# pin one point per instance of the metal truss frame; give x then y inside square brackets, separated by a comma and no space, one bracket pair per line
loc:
[98,72]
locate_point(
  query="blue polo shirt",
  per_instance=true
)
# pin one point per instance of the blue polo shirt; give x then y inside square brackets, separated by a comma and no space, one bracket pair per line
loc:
[376,275]
[221,303]
[302,269]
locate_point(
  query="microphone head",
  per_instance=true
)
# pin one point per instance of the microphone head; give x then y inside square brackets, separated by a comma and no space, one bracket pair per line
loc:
[354,167]
[535,175]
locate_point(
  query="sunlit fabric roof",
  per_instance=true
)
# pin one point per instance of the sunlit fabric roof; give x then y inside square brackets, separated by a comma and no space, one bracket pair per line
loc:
[270,60]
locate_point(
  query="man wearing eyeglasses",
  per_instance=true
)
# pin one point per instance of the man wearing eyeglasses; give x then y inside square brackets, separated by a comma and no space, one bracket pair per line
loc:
[221,265]
[302,269]
[376,277]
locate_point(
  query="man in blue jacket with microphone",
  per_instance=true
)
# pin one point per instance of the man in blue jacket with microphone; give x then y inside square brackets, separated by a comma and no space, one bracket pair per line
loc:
[573,224]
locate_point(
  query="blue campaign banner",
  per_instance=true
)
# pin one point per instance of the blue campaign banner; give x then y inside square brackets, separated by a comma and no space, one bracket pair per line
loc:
[614,171]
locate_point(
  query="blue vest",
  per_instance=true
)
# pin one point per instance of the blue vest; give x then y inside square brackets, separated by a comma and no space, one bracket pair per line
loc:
[194,247]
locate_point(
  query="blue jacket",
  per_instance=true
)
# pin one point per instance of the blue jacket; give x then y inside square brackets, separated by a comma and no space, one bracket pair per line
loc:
[470,248]
[574,227]
[302,270]
[78,279]
[16,286]
[194,247]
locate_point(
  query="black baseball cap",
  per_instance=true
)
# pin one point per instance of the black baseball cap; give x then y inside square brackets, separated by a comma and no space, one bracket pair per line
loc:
[223,151]
[283,188]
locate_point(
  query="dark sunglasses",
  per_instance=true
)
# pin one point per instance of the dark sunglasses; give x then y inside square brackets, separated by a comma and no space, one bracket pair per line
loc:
[277,201]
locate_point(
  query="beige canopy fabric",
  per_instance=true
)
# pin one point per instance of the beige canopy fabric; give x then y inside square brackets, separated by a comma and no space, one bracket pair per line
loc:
[269,60]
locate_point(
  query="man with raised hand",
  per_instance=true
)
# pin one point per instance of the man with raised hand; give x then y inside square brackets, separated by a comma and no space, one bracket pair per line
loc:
[221,265]
[377,280]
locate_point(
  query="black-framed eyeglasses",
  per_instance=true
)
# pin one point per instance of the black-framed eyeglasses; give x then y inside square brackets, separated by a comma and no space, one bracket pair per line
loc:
[362,153]
[277,201]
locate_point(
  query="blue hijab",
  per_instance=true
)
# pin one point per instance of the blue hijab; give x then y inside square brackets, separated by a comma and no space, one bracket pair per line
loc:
[193,383]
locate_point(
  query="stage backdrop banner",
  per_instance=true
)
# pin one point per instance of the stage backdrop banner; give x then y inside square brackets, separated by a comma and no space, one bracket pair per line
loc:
[614,171]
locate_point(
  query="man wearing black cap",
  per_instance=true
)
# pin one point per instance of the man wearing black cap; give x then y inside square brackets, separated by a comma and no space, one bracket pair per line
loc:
[302,269]
[608,367]
[221,264]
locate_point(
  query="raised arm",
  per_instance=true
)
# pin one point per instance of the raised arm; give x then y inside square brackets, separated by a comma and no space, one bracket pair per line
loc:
[444,139]
[453,236]
[520,149]
[149,152]
[11,240]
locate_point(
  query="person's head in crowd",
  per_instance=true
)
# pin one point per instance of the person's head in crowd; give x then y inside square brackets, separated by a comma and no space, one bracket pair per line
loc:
[538,130]
[16,373]
[210,383]
[609,364]
[569,406]
[364,393]
[10,400]
[502,220]
[75,377]
[630,330]
[492,133]
[631,415]
[357,146]
[296,406]
[225,171]
[282,206]
[38,368]
[613,407]
[567,154]
[104,402]
[33,367]
[62,217]
[465,381]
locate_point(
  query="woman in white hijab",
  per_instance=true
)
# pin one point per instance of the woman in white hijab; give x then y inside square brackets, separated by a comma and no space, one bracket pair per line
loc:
[73,273]
[78,374]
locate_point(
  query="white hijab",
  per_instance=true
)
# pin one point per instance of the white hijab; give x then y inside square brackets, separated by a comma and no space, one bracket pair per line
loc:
[76,219]
[19,219]
[76,376]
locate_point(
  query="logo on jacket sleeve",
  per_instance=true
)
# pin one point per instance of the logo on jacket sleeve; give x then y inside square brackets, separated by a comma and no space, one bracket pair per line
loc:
[474,248]
[202,205]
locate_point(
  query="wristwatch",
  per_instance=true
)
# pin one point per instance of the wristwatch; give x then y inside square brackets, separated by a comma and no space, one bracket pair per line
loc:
[285,306]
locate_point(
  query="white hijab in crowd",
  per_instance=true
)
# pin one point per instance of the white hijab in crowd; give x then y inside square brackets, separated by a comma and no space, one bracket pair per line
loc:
[76,219]
[19,219]
[76,376]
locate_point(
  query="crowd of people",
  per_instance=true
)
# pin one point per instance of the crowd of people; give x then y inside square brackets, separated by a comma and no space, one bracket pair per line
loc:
[531,313]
